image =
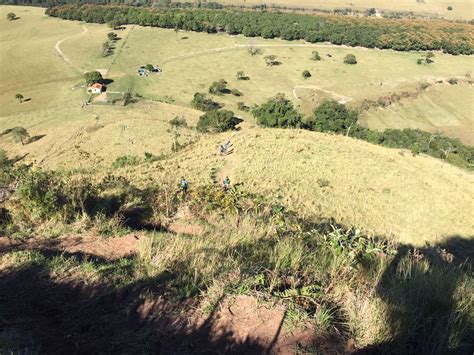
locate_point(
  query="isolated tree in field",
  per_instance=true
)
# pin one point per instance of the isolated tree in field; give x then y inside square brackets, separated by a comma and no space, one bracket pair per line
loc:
[112,36]
[20,134]
[93,77]
[218,87]
[271,60]
[331,116]
[277,112]
[315,56]
[175,125]
[19,97]
[106,49]
[241,76]
[306,74]
[350,59]
[11,16]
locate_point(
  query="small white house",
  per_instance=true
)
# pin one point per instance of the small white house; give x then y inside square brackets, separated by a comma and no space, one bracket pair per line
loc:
[95,88]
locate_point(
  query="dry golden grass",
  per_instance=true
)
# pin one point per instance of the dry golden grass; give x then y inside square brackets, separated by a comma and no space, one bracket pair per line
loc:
[384,191]
[415,199]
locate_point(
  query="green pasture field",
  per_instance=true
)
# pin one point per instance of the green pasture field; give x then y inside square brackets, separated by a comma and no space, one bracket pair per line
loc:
[461,9]
[384,191]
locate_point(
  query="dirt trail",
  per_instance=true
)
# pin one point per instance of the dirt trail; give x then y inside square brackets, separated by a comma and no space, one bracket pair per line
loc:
[58,43]
[95,246]
[230,162]
[241,46]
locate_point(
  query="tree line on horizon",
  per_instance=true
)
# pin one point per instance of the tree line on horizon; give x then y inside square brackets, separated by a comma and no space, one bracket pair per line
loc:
[396,34]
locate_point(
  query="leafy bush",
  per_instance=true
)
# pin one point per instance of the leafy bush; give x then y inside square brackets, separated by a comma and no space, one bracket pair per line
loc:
[277,112]
[217,121]
[350,59]
[125,160]
[218,87]
[178,121]
[453,81]
[236,92]
[315,56]
[331,116]
[203,103]
[306,74]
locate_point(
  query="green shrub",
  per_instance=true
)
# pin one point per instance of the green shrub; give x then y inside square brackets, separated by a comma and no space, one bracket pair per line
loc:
[125,160]
[217,121]
[350,59]
[218,87]
[277,112]
[315,56]
[203,103]
[306,74]
[236,92]
[453,81]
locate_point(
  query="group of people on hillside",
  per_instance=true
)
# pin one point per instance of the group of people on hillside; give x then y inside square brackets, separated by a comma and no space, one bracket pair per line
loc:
[224,149]
[184,184]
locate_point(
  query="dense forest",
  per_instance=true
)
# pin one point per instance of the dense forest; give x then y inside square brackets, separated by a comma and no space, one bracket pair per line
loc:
[400,35]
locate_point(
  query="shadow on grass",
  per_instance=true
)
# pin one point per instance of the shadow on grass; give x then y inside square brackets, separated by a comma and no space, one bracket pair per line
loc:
[419,288]
[66,315]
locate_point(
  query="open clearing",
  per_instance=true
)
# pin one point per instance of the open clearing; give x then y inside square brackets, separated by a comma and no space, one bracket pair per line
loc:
[461,9]
[385,191]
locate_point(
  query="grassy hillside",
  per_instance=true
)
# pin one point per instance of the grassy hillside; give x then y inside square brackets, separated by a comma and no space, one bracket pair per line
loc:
[384,191]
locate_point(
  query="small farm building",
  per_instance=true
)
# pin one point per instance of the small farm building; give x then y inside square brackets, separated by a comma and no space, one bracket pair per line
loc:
[95,88]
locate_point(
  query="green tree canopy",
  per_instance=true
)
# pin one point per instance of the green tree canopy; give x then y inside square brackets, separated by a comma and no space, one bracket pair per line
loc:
[350,59]
[331,116]
[277,112]
[19,97]
[218,87]
[93,77]
[217,121]
[11,16]
[203,103]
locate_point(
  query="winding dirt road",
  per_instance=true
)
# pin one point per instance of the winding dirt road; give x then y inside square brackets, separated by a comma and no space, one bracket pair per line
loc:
[58,43]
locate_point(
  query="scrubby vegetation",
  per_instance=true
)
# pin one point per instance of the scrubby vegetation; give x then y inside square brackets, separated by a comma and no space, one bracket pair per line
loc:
[345,284]
[402,35]
[333,117]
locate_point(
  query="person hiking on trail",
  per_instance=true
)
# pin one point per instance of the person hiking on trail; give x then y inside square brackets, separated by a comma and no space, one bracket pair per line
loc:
[184,185]
[226,183]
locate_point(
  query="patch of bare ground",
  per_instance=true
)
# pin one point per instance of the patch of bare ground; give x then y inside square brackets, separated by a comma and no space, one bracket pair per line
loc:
[108,248]
[241,324]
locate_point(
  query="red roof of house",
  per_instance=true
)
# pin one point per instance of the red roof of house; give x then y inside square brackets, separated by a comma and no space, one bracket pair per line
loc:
[96,86]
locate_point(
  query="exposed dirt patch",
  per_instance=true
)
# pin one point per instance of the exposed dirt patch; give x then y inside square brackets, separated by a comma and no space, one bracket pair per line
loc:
[107,248]
[255,326]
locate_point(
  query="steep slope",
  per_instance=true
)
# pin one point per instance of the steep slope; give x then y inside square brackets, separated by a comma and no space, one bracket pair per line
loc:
[417,199]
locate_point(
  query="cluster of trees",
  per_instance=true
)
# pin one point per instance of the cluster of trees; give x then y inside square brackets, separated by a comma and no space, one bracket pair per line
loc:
[402,35]
[333,117]
[214,120]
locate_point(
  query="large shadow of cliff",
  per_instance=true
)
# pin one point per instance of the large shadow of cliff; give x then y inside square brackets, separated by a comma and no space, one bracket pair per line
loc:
[67,316]
[419,290]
